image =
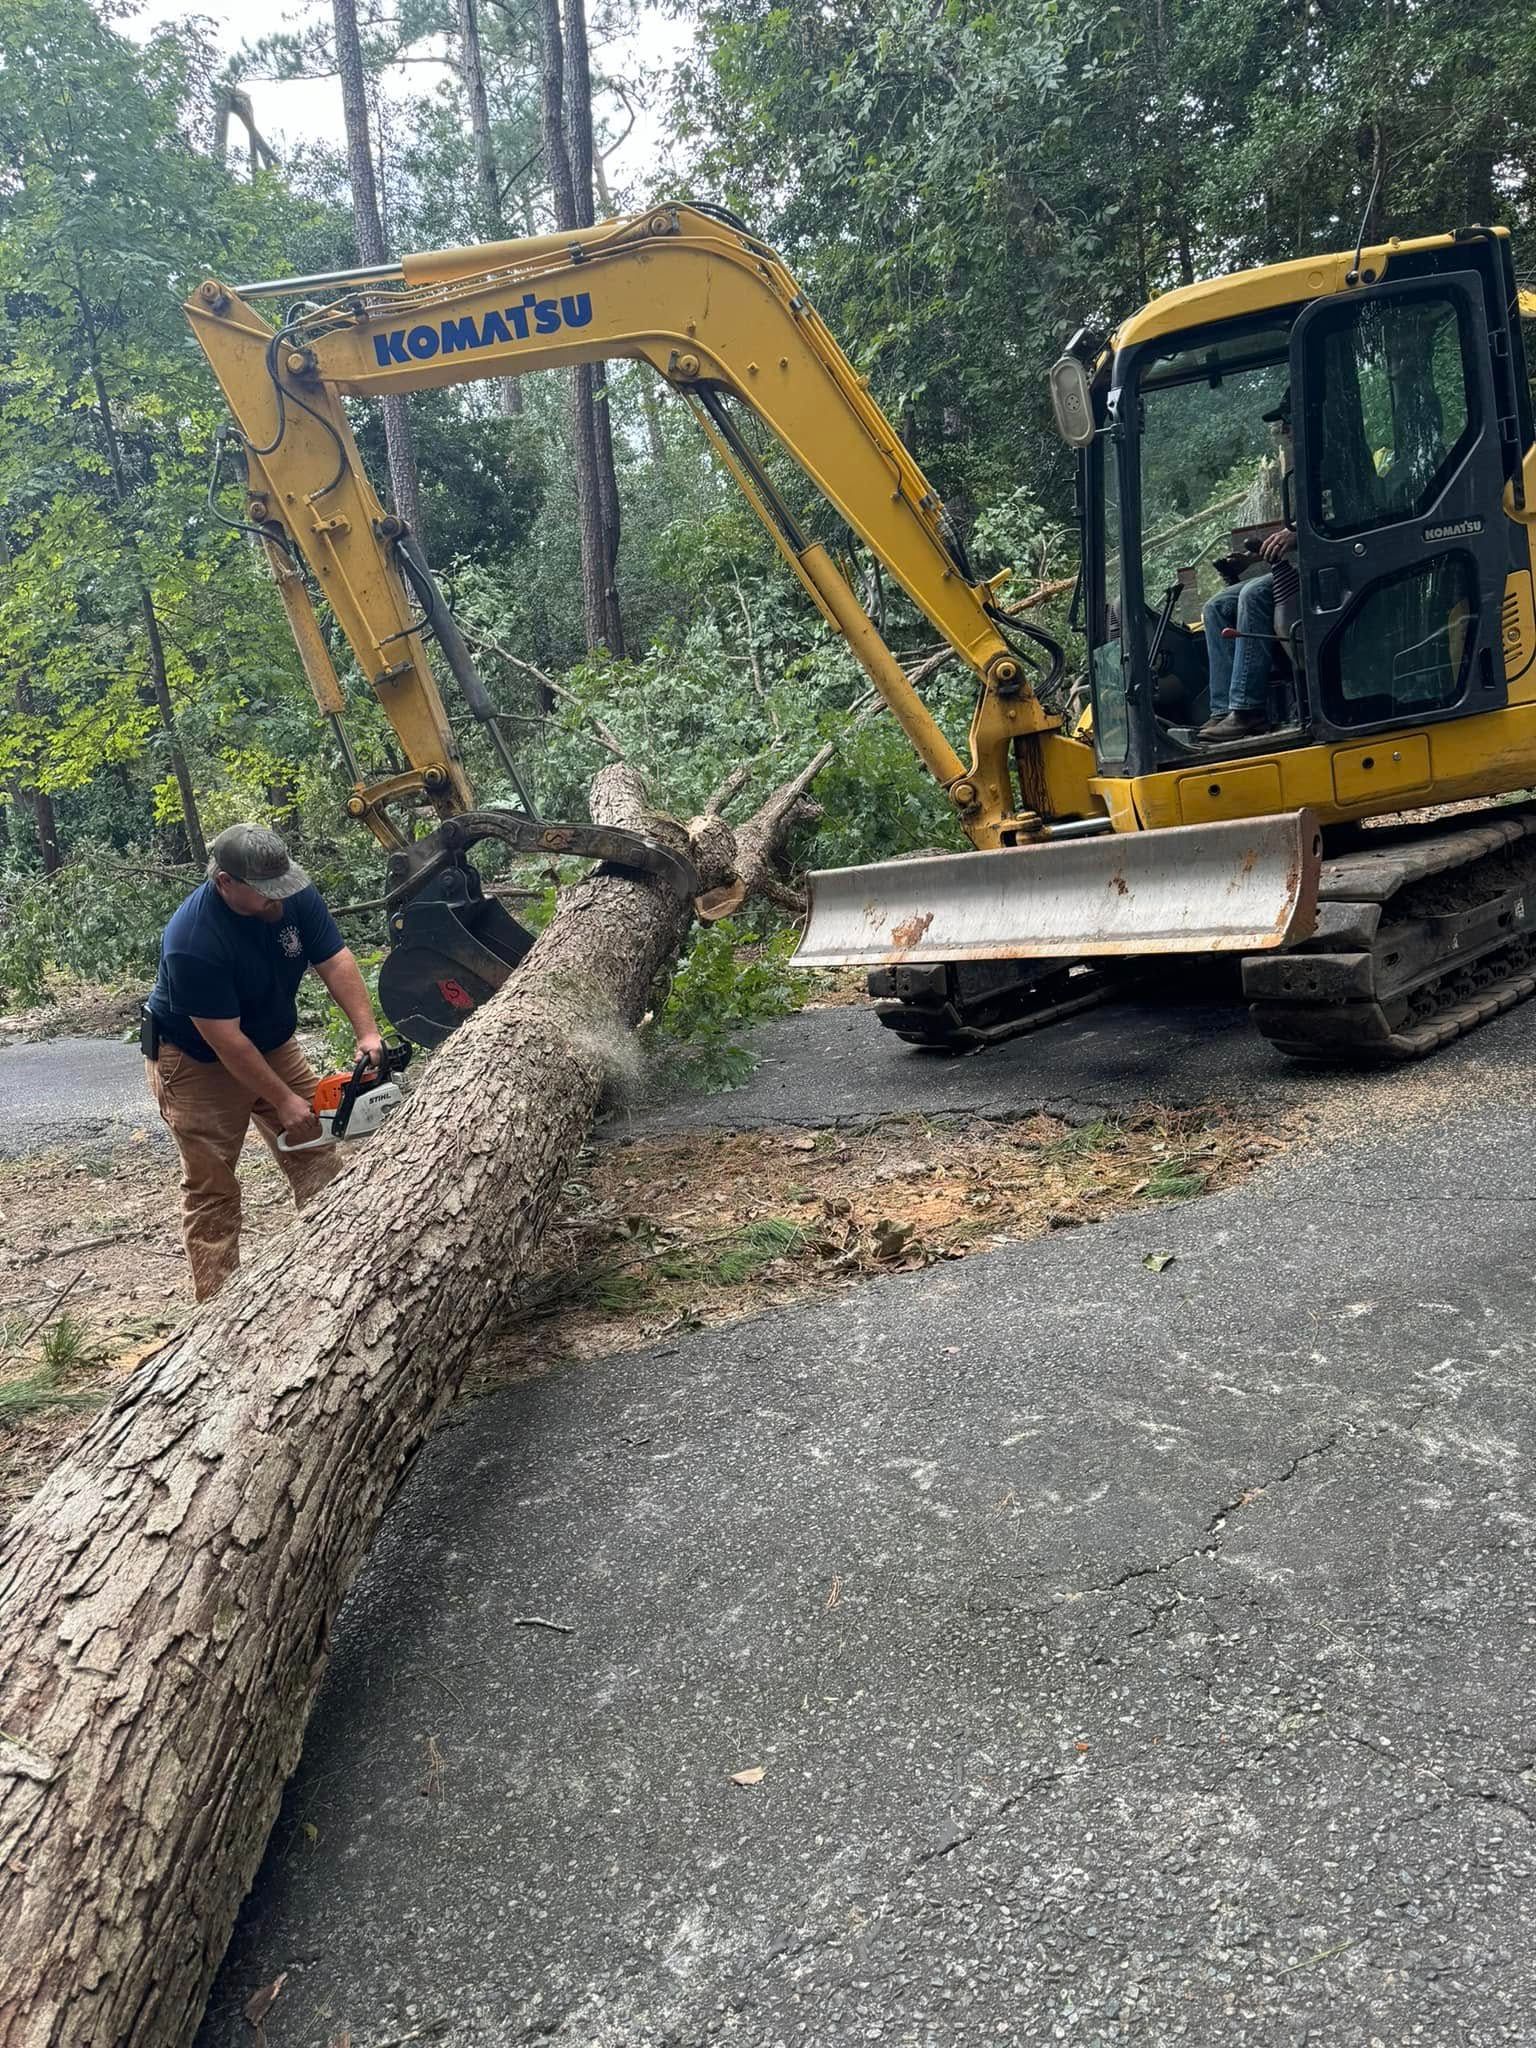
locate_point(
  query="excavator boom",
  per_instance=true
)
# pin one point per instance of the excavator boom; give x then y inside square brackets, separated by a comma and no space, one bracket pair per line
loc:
[689,291]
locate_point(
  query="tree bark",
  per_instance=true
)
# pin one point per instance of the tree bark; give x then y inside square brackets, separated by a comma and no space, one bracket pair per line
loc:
[159,692]
[368,222]
[566,109]
[160,684]
[487,177]
[646,381]
[37,802]
[166,1599]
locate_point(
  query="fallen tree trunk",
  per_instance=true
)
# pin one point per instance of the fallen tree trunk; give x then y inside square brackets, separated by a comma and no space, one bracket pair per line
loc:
[166,1600]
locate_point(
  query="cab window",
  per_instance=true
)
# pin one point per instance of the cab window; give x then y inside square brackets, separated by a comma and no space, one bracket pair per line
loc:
[1107,667]
[1390,411]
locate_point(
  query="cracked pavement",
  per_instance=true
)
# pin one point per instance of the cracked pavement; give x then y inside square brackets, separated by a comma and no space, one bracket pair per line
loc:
[1129,1656]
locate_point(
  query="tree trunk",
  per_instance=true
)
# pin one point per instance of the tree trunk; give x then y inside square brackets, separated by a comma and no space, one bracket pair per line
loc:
[45,825]
[404,484]
[159,693]
[566,109]
[166,1599]
[37,802]
[160,684]
[487,177]
[646,378]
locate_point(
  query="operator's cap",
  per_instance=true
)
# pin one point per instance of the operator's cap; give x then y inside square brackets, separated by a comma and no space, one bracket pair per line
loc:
[254,855]
[1279,414]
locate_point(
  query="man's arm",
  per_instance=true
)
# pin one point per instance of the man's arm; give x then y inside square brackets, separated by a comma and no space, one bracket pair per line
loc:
[343,978]
[1275,546]
[235,1051]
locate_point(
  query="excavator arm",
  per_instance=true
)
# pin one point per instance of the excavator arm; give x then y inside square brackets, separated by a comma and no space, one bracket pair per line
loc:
[719,317]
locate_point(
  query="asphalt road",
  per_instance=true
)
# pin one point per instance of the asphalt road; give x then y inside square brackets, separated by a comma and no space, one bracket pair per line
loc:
[840,1065]
[1128,1655]
[71,1091]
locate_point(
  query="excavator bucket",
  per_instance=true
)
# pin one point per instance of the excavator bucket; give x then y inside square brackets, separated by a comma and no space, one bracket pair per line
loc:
[451,948]
[1243,885]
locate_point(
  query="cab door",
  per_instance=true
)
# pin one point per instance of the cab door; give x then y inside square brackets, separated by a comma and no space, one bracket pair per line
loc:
[1401,541]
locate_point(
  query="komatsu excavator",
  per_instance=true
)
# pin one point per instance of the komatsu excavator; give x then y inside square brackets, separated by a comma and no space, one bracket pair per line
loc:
[1103,826]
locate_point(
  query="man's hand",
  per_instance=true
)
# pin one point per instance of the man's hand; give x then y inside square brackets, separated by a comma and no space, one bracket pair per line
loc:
[344,980]
[300,1124]
[1274,547]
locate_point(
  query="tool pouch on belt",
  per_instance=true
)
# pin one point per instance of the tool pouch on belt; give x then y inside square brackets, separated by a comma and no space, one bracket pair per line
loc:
[149,1033]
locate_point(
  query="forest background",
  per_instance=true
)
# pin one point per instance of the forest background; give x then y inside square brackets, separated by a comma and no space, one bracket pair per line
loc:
[959,186]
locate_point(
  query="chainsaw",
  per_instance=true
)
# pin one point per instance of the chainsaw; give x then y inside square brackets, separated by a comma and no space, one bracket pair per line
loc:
[354,1103]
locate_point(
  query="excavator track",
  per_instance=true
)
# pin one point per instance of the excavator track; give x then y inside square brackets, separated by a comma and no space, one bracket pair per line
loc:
[959,1007]
[1423,933]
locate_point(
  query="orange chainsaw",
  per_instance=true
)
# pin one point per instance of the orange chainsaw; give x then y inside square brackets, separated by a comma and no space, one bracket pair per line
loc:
[353,1104]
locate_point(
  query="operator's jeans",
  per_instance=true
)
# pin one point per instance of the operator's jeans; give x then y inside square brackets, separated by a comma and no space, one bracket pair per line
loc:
[209,1113]
[1239,669]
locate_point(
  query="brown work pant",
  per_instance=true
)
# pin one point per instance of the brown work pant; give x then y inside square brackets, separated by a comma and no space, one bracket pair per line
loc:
[208,1113]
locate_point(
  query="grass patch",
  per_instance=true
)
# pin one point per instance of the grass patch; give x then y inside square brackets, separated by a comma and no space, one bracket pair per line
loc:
[1174,1181]
[35,1391]
[619,1294]
[1082,1141]
[757,1245]
[32,1386]
[67,1345]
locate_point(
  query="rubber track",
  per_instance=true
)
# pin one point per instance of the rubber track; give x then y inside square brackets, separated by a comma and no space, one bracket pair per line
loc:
[969,1038]
[1453,1020]
[1460,999]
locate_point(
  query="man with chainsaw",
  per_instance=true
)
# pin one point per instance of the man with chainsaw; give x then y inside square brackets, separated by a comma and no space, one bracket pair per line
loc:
[218,1034]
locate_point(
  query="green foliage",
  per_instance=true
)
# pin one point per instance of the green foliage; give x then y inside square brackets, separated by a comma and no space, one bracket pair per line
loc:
[319,1014]
[722,986]
[1174,1180]
[1082,1141]
[98,919]
[754,1246]
[67,1344]
[960,185]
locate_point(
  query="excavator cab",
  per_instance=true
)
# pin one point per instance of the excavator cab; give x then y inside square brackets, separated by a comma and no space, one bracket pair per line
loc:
[1411,415]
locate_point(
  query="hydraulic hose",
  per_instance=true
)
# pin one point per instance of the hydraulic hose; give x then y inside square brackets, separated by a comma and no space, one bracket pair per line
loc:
[418,574]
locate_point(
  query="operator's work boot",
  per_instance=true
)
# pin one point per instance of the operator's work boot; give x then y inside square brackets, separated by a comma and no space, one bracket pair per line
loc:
[1234,725]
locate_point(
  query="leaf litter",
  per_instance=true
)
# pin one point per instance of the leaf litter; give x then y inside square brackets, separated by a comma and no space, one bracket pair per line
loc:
[650,1238]
[667,1234]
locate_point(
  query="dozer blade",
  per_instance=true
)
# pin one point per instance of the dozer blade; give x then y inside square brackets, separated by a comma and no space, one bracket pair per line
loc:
[1247,885]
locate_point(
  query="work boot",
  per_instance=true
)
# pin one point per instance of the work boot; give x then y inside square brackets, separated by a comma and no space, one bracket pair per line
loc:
[1234,725]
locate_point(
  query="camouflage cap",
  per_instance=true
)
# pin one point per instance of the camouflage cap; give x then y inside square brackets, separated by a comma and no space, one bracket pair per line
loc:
[254,855]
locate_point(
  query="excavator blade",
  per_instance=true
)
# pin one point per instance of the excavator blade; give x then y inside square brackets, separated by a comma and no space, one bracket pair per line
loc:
[1244,885]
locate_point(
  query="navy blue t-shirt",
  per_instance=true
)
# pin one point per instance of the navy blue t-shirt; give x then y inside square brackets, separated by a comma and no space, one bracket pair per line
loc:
[215,963]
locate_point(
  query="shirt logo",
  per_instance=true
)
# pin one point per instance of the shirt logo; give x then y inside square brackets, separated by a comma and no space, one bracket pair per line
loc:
[533,316]
[288,938]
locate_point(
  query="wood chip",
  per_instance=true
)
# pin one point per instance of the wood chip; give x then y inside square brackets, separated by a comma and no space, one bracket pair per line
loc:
[261,2002]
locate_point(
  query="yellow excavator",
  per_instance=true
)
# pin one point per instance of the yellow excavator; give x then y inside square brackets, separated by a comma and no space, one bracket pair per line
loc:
[1109,818]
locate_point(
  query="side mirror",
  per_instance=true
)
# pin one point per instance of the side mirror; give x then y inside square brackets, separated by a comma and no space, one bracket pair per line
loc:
[1072,402]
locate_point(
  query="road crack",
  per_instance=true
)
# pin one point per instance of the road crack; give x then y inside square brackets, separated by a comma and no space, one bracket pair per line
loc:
[1215,1529]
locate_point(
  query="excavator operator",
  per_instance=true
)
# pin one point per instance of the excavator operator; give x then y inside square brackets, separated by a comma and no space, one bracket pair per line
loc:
[1240,621]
